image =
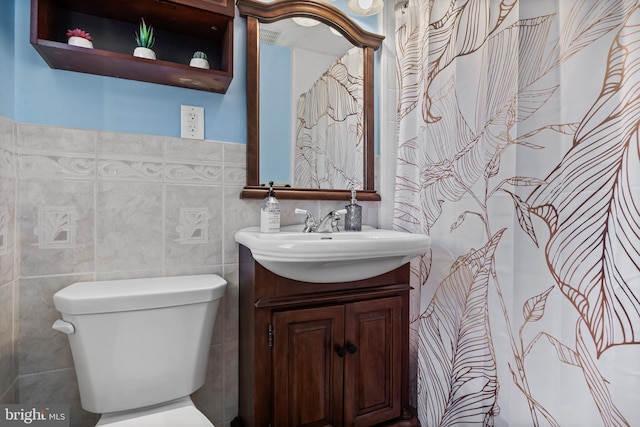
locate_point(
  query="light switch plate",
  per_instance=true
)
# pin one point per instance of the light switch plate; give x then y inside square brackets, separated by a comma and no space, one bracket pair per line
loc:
[191,122]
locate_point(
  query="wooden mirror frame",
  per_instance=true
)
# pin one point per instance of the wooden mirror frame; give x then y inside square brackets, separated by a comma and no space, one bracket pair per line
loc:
[258,12]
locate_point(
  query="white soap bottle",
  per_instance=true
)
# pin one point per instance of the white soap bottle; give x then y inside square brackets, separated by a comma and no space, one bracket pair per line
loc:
[270,212]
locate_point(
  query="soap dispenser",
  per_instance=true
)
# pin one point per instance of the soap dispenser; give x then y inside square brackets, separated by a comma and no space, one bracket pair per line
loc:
[270,212]
[353,218]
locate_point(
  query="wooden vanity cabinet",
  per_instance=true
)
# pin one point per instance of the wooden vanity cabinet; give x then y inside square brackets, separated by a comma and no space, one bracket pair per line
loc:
[332,354]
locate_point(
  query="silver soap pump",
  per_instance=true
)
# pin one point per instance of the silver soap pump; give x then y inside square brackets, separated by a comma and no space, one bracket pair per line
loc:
[353,218]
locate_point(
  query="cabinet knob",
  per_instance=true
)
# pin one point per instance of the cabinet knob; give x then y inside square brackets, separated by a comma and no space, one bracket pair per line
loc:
[342,351]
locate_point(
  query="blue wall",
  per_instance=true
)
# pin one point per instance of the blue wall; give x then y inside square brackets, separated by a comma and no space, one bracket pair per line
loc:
[275,114]
[7,74]
[69,99]
[32,92]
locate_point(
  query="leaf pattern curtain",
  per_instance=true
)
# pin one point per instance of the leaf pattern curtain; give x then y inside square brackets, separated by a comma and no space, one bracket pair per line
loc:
[518,152]
[329,134]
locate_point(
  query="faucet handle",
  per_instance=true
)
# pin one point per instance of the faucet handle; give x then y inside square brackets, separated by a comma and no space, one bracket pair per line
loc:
[309,221]
[335,217]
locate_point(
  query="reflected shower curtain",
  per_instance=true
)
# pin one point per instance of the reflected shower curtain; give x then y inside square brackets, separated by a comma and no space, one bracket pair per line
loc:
[329,134]
[518,152]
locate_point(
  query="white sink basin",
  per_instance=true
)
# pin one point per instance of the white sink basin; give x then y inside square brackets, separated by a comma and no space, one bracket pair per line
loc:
[332,257]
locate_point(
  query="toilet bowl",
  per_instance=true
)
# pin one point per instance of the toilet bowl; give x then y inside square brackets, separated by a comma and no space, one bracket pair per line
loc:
[140,347]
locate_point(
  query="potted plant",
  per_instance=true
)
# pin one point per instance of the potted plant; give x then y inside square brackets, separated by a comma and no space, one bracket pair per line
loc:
[199,60]
[145,40]
[80,38]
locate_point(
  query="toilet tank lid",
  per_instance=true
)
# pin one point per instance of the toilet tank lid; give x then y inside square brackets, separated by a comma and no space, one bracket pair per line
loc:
[138,294]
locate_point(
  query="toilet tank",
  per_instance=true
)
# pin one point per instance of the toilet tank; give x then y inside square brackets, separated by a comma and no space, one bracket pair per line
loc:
[140,342]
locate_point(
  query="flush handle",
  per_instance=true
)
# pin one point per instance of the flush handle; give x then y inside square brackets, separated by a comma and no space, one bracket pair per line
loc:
[64,326]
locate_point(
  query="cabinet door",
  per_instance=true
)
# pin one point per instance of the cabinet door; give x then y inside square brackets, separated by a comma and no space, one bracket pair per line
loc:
[307,370]
[373,366]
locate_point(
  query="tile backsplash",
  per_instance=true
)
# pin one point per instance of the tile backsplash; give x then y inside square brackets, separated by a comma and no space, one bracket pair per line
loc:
[88,205]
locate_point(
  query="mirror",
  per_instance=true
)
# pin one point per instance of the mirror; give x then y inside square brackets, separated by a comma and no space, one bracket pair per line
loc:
[338,139]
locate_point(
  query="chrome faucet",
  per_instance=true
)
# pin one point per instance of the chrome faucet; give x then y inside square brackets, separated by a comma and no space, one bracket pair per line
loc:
[328,224]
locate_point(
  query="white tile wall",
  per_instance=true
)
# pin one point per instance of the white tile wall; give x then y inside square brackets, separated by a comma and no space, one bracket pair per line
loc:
[8,271]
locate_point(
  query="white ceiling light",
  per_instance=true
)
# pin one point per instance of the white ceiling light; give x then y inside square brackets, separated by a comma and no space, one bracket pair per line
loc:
[365,7]
[306,22]
[309,22]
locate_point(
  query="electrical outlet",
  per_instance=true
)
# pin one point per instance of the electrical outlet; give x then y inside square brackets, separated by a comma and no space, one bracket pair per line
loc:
[191,122]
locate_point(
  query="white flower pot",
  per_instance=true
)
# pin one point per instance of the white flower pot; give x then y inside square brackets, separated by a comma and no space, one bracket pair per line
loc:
[144,52]
[199,63]
[79,41]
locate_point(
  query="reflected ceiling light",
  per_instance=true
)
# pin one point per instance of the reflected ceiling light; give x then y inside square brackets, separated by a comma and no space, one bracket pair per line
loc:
[309,22]
[306,22]
[336,32]
[365,7]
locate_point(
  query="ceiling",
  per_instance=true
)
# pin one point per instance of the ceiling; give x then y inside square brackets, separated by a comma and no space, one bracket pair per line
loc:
[318,38]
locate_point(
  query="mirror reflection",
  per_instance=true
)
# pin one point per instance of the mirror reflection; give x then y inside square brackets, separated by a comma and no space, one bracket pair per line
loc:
[311,104]
[312,108]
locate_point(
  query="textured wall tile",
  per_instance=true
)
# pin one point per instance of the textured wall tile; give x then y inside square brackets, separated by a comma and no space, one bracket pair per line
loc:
[235,154]
[47,139]
[128,226]
[210,397]
[193,226]
[123,145]
[7,148]
[187,149]
[7,127]
[7,163]
[56,387]
[235,175]
[7,348]
[130,157]
[128,170]
[7,229]
[230,393]
[193,173]
[235,164]
[56,227]
[238,213]
[230,303]
[56,166]
[156,206]
[41,347]
[10,395]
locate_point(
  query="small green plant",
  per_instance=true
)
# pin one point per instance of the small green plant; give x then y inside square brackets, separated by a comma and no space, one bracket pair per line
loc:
[199,54]
[145,37]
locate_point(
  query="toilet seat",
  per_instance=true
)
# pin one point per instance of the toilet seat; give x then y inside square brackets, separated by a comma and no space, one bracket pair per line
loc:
[181,412]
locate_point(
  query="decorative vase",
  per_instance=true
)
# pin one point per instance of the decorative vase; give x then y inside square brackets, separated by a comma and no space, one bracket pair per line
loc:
[79,41]
[199,63]
[144,52]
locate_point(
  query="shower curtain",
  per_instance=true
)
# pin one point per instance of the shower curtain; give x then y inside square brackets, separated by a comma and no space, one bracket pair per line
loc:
[518,152]
[329,133]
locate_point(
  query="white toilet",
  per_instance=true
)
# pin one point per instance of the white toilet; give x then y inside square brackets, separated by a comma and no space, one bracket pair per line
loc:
[140,346]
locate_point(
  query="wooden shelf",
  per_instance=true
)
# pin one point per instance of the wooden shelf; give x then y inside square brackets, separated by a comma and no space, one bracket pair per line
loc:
[180,30]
